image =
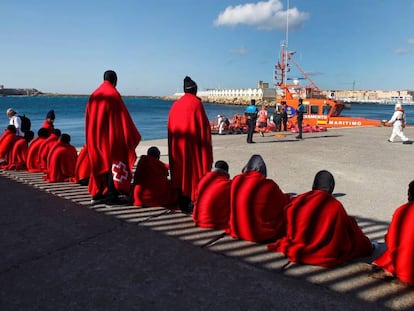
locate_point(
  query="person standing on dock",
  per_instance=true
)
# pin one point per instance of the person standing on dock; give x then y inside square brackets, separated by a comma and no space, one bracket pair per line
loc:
[111,139]
[284,116]
[251,115]
[299,117]
[190,149]
[262,119]
[398,121]
[277,118]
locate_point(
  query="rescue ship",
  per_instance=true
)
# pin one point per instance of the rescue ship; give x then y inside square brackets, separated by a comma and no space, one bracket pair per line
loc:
[320,110]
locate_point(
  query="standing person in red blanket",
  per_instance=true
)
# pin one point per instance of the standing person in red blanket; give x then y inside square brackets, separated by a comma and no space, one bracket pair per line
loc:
[257,204]
[398,259]
[319,231]
[61,161]
[189,144]
[49,121]
[111,140]
[212,203]
[151,185]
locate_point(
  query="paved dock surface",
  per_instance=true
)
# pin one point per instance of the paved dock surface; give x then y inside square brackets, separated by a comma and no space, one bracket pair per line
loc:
[60,253]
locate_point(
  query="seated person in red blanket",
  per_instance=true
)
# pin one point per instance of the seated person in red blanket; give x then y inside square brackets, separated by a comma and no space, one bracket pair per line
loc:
[32,162]
[212,204]
[49,121]
[256,204]
[151,185]
[46,146]
[83,168]
[398,259]
[18,154]
[7,139]
[61,161]
[319,231]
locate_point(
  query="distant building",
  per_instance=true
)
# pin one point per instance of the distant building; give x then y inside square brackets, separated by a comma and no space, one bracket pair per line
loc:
[379,96]
[241,96]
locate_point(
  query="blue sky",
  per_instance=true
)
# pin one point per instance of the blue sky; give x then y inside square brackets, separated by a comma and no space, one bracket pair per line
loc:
[65,46]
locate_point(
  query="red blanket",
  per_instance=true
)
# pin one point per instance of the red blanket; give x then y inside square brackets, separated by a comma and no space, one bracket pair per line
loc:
[398,259]
[151,184]
[83,168]
[61,163]
[212,204]
[33,163]
[18,155]
[7,140]
[111,139]
[319,232]
[257,205]
[47,125]
[189,144]
[44,149]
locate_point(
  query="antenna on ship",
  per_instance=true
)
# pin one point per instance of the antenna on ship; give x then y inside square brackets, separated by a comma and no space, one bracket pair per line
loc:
[287,36]
[287,23]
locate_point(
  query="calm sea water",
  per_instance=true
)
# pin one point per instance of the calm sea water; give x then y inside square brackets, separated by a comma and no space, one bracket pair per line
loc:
[149,114]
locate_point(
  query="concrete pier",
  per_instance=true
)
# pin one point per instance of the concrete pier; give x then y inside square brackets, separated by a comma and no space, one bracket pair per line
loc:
[60,253]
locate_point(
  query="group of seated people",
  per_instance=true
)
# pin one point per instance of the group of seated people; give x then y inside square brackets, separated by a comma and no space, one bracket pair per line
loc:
[49,152]
[311,228]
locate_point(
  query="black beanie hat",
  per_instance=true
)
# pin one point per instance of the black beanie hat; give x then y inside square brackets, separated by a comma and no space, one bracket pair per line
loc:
[50,115]
[154,152]
[189,85]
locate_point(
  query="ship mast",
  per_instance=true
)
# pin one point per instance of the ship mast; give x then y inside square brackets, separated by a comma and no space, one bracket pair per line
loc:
[282,67]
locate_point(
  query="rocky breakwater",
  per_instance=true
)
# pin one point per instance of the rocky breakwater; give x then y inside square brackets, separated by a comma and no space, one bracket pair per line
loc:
[238,101]
[18,92]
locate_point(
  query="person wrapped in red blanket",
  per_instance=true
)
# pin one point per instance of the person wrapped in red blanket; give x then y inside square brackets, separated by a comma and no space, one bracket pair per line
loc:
[33,160]
[319,231]
[256,204]
[18,154]
[398,259]
[212,202]
[49,121]
[83,168]
[189,144]
[45,148]
[61,161]
[151,186]
[7,139]
[111,140]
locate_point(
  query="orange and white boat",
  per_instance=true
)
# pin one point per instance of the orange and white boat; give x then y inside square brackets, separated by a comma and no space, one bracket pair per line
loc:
[320,110]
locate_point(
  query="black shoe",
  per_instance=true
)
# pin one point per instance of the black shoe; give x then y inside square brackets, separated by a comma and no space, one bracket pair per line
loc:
[117,201]
[185,204]
[251,142]
[99,199]
[407,142]
[299,137]
[84,182]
